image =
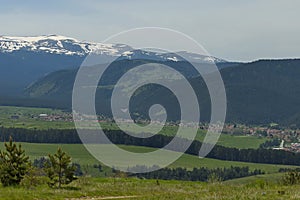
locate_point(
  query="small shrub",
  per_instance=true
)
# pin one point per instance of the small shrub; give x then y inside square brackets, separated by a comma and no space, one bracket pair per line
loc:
[33,178]
[214,178]
[291,178]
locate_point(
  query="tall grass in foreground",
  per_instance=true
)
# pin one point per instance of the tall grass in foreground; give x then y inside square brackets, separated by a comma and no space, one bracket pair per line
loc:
[88,188]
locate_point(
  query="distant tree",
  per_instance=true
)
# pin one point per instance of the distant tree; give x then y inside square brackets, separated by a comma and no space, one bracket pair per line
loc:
[98,166]
[60,169]
[78,171]
[41,162]
[270,143]
[14,164]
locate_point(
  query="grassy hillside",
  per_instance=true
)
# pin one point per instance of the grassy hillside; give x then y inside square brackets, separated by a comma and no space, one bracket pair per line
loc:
[122,188]
[270,178]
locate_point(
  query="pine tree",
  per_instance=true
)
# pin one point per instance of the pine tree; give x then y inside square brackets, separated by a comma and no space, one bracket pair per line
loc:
[14,164]
[60,169]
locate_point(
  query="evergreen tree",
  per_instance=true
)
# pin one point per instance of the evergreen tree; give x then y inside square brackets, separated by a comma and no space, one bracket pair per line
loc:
[14,164]
[60,169]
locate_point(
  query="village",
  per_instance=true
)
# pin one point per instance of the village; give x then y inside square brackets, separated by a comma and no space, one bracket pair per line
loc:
[290,138]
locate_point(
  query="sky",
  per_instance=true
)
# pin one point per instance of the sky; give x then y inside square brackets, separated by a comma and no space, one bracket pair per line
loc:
[230,29]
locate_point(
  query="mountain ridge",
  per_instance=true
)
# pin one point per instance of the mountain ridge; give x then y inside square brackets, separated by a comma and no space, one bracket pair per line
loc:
[58,44]
[24,60]
[260,92]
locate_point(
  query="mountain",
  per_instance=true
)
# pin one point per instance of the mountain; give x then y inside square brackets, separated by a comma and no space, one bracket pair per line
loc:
[61,45]
[56,44]
[259,92]
[175,57]
[26,59]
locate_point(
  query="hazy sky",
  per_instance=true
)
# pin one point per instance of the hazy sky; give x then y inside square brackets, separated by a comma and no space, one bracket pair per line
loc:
[231,29]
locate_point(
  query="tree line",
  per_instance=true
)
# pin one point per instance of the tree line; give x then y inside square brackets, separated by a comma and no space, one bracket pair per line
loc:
[200,174]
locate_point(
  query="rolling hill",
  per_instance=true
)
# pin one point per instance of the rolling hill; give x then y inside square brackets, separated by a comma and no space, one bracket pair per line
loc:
[260,92]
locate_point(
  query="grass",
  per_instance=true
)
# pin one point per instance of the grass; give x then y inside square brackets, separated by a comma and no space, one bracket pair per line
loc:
[28,119]
[82,156]
[274,178]
[107,188]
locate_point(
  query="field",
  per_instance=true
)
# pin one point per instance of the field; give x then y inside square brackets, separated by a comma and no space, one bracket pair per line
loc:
[262,178]
[100,187]
[132,188]
[81,155]
[29,118]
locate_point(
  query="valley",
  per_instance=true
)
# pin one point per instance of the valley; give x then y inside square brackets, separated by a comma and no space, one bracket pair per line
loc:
[162,100]
[262,111]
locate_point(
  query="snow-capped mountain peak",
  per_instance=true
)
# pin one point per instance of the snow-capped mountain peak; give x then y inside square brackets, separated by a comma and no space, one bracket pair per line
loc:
[62,45]
[175,57]
[57,44]
[36,38]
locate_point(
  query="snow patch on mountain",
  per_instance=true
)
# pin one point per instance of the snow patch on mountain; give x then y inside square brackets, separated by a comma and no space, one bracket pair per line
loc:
[174,58]
[56,44]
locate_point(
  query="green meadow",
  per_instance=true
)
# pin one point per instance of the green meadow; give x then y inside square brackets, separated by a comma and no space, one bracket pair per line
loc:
[82,156]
